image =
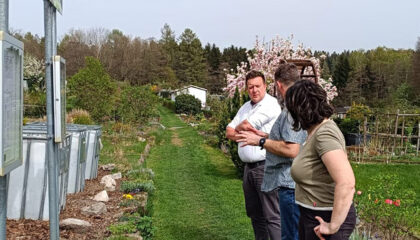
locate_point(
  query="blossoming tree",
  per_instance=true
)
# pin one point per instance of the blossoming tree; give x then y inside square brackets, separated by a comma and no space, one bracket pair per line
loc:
[267,56]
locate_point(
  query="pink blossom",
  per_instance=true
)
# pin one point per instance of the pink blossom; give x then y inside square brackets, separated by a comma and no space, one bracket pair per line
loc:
[388,201]
[266,58]
[359,192]
[397,202]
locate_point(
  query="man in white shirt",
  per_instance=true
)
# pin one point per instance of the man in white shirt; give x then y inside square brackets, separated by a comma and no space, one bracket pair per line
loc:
[259,115]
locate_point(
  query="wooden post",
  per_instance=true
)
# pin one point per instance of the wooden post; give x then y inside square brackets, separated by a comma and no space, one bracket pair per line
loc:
[402,135]
[418,139]
[395,132]
[364,137]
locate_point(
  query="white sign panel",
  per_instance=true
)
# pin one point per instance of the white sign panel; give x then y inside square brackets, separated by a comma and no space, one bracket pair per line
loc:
[58,4]
[11,78]
[59,94]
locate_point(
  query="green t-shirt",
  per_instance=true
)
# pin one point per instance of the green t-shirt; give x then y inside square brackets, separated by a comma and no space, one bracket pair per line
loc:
[314,185]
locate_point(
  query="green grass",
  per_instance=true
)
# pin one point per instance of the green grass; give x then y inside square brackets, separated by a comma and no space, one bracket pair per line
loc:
[408,175]
[198,194]
[408,178]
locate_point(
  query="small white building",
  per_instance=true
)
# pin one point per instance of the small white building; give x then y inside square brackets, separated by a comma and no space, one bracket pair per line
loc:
[197,92]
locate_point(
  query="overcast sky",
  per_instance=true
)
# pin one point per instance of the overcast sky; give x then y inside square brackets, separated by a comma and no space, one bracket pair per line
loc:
[332,25]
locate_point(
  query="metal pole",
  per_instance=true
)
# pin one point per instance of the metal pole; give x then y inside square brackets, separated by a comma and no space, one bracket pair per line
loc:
[49,21]
[4,26]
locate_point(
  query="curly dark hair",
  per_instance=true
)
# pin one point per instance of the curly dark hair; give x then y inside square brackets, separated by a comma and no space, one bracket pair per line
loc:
[307,103]
[253,74]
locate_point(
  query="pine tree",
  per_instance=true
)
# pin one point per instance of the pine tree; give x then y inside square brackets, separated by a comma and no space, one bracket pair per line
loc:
[190,65]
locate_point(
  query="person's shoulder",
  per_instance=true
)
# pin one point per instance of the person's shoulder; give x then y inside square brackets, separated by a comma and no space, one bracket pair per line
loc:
[328,128]
[268,98]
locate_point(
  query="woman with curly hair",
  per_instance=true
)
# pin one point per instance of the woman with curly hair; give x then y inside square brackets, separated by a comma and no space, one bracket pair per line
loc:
[323,175]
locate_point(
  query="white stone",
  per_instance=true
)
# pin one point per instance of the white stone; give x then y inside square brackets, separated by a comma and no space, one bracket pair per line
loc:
[101,197]
[108,167]
[94,209]
[109,183]
[116,176]
[74,223]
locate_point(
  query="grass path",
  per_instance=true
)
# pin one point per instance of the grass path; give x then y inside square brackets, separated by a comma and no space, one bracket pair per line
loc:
[198,194]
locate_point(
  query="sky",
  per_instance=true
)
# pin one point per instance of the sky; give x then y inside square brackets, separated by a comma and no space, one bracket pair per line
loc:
[331,25]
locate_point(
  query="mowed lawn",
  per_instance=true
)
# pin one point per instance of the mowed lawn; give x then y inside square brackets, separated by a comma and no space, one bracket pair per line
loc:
[198,194]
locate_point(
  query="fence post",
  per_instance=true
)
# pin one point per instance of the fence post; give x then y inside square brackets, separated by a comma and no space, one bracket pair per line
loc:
[418,139]
[364,138]
[395,132]
[402,134]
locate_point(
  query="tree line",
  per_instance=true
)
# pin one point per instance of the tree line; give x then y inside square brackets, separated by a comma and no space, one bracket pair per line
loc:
[377,77]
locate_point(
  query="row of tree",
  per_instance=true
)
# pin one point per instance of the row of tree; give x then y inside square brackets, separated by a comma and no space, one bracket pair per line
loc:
[378,77]
[169,62]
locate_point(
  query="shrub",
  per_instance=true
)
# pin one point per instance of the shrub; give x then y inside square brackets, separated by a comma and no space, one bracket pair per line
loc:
[349,125]
[358,112]
[121,228]
[138,104]
[92,89]
[187,104]
[145,226]
[79,116]
[137,186]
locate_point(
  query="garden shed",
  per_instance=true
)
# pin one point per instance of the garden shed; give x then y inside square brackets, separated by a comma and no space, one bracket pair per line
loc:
[197,92]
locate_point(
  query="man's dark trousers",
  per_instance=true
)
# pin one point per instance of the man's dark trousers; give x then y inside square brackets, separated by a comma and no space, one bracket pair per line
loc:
[261,207]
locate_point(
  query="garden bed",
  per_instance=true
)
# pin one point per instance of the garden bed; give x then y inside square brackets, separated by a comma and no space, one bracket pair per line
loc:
[35,229]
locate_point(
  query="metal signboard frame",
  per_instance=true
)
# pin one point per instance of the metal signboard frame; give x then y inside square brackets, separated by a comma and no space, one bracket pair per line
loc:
[59,96]
[11,82]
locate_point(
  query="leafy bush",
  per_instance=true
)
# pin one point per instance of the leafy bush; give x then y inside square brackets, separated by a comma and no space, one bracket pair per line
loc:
[138,104]
[92,89]
[187,104]
[145,226]
[358,112]
[121,228]
[79,116]
[137,186]
[349,125]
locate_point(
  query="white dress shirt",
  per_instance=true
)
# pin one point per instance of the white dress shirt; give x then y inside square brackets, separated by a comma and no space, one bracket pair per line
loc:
[261,116]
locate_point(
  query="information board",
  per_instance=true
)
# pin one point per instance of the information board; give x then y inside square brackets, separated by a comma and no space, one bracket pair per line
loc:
[11,78]
[59,96]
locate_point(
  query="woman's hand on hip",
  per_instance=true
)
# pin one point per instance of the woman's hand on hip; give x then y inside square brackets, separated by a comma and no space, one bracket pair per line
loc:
[324,228]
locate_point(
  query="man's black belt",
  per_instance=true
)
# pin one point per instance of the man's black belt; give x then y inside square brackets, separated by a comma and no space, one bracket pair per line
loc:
[255,164]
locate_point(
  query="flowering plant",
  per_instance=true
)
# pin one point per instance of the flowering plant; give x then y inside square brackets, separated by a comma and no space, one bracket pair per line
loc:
[267,57]
[394,219]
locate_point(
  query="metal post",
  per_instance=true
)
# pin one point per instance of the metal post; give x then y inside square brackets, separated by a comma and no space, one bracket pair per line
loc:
[4,26]
[49,21]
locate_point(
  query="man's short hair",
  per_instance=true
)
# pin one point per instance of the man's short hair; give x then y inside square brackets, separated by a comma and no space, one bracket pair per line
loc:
[287,73]
[253,74]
